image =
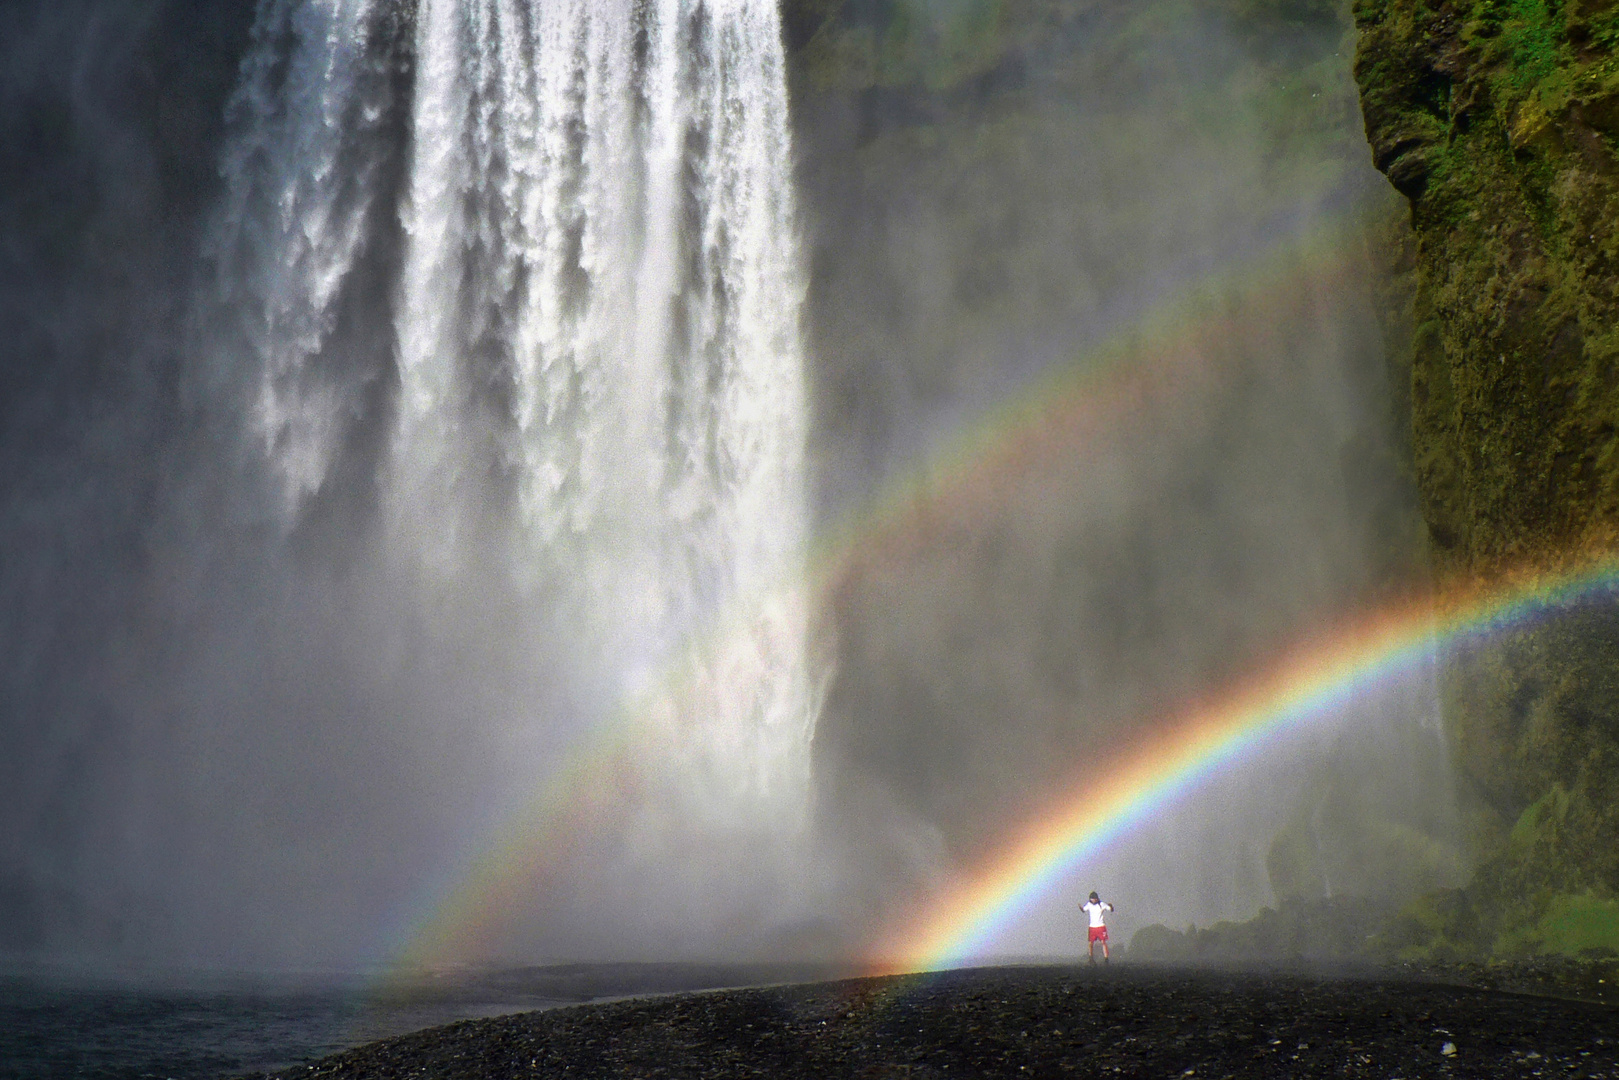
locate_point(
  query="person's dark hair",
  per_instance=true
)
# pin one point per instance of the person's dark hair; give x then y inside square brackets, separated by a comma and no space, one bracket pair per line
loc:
[1095,897]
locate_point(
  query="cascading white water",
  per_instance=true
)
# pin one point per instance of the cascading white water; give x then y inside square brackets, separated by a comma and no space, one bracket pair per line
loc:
[595,308]
[599,336]
[297,206]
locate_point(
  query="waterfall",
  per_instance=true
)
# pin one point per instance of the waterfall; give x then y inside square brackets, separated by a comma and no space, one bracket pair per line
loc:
[592,339]
[304,185]
[599,337]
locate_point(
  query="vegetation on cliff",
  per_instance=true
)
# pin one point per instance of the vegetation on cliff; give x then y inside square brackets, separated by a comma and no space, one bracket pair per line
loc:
[1498,120]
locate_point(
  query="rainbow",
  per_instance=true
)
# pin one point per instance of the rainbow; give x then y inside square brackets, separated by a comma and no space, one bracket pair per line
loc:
[1310,683]
[1157,358]
[462,912]
[1154,357]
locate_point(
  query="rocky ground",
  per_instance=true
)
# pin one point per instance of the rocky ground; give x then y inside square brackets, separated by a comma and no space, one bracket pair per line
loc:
[1026,1022]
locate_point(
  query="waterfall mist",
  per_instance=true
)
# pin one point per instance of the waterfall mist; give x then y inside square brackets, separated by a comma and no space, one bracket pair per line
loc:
[1177,215]
[417,410]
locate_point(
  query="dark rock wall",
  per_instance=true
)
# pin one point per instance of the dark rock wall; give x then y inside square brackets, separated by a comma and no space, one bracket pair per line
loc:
[1498,121]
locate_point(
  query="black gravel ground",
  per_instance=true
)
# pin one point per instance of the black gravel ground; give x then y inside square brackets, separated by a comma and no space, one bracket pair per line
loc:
[1025,1022]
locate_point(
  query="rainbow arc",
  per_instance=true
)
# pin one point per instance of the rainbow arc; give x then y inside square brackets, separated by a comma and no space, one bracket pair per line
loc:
[1311,683]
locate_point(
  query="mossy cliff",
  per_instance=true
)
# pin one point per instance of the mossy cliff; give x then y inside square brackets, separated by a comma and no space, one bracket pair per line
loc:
[1498,120]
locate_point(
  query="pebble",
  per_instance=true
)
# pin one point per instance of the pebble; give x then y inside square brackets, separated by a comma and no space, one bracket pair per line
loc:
[1043,1022]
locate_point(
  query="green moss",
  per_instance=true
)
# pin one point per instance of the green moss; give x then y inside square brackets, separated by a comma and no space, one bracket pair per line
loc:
[1533,826]
[1513,195]
[1523,36]
[1543,891]
[1582,925]
[1497,119]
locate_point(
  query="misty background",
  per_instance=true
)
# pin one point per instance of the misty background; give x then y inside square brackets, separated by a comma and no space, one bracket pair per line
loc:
[235,739]
[1092,167]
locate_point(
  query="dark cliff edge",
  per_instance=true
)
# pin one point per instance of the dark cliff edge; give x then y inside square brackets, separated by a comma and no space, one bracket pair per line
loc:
[1498,121]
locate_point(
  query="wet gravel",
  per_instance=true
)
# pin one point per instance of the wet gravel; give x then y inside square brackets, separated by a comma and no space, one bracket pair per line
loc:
[1025,1022]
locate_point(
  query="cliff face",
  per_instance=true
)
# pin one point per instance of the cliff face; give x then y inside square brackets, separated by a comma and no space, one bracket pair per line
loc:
[1498,120]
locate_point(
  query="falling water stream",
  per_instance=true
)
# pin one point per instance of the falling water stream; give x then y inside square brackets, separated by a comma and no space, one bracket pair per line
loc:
[599,307]
[593,296]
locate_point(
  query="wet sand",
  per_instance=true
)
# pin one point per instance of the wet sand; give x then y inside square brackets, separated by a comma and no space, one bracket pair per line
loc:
[1026,1022]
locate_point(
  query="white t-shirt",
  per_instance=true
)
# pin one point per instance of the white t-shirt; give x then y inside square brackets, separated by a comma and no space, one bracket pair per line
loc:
[1094,909]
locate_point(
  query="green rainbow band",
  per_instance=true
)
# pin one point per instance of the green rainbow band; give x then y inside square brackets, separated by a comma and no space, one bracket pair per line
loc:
[1308,685]
[1075,406]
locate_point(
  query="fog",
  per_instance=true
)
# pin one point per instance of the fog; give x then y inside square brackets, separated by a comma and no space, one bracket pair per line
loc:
[1165,243]
[356,607]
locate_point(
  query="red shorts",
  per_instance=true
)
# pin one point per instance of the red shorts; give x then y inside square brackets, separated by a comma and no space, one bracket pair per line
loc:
[1098,933]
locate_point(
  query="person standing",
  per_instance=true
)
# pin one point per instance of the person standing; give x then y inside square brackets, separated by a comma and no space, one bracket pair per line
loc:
[1097,909]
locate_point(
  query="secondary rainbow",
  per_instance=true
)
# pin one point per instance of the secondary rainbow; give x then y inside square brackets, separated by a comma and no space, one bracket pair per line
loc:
[1306,686]
[1075,407]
